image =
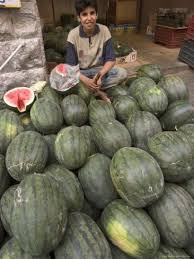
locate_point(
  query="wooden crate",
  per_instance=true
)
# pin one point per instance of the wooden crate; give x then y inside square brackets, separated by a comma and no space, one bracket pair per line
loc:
[169,36]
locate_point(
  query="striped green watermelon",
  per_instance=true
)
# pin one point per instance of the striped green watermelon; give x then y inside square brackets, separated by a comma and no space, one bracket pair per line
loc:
[40,215]
[96,182]
[26,154]
[46,116]
[139,85]
[11,250]
[173,216]
[72,147]
[188,130]
[150,70]
[190,251]
[83,92]
[83,239]
[168,252]
[174,87]
[178,113]
[111,136]
[10,127]
[131,230]
[124,106]
[73,192]
[5,179]
[130,80]
[51,94]
[136,176]
[117,91]
[75,110]
[90,210]
[100,111]
[142,125]
[189,186]
[6,208]
[27,122]
[173,152]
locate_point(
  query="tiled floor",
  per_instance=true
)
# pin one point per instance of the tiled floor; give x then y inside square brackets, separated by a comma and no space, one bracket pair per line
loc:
[149,52]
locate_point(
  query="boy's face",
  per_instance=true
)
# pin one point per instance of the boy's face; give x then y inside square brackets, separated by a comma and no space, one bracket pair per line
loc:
[88,18]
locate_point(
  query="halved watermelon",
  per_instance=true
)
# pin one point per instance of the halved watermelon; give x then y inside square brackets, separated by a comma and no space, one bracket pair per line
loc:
[19,98]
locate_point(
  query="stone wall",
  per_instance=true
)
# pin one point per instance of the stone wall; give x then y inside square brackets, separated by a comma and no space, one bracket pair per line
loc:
[28,65]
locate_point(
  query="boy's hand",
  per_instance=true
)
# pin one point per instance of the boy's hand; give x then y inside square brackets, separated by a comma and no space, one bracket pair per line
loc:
[90,83]
[98,80]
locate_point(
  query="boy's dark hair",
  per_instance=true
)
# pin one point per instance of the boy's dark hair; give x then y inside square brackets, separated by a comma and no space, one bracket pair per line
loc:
[81,5]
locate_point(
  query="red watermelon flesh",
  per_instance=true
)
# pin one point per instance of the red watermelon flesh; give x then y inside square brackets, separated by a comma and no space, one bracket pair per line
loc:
[19,98]
[61,69]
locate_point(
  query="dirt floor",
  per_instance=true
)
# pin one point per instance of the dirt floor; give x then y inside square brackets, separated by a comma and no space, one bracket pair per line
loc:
[149,52]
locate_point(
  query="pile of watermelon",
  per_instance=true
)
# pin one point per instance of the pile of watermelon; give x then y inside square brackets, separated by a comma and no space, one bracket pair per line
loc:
[84,179]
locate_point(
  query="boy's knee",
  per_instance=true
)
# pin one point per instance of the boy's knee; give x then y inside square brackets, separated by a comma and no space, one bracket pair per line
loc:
[122,73]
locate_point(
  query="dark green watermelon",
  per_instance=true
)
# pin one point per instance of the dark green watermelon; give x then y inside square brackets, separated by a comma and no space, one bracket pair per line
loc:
[173,216]
[130,80]
[174,87]
[10,127]
[84,92]
[188,130]
[72,147]
[90,210]
[150,70]
[118,254]
[12,250]
[5,179]
[124,106]
[83,239]
[136,176]
[75,111]
[73,193]
[142,126]
[100,111]
[96,182]
[178,113]
[189,186]
[173,152]
[50,140]
[26,154]
[40,214]
[6,208]
[88,131]
[131,230]
[111,136]
[117,91]
[190,251]
[51,94]
[27,122]
[139,85]
[168,252]
[46,116]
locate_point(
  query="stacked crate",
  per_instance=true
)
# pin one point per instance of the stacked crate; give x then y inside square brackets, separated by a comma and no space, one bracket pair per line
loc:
[186,53]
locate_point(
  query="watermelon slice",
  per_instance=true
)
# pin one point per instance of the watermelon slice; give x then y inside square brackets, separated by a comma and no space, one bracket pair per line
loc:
[19,98]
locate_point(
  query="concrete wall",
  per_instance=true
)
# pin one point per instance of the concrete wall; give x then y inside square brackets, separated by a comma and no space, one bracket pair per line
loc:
[28,65]
[151,6]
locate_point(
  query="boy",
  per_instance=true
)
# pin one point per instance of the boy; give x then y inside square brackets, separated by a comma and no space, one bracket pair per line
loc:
[90,46]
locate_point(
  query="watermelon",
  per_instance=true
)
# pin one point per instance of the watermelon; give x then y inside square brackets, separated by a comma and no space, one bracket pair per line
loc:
[83,239]
[124,106]
[168,252]
[142,125]
[130,80]
[178,113]
[139,85]
[11,250]
[72,147]
[96,182]
[136,176]
[6,208]
[84,92]
[173,152]
[100,110]
[111,136]
[188,130]
[189,186]
[51,94]
[75,111]
[27,122]
[27,154]
[40,215]
[150,70]
[10,127]
[190,251]
[173,216]
[73,193]
[19,98]
[50,140]
[174,87]
[5,178]
[130,229]
[117,91]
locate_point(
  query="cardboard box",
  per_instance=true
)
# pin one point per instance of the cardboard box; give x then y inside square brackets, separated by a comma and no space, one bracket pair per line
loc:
[127,59]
